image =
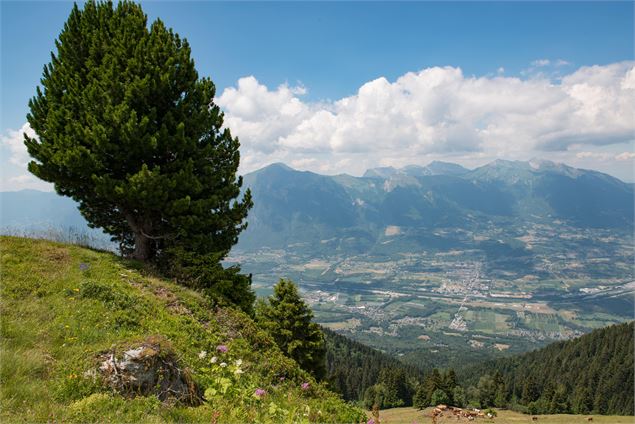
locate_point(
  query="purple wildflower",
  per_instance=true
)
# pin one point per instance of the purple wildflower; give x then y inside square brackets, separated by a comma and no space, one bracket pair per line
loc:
[282,378]
[370,421]
[222,348]
[83,266]
[260,392]
[305,386]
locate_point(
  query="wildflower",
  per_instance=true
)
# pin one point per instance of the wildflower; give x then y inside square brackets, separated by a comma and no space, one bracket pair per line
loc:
[239,362]
[76,289]
[282,378]
[223,364]
[260,393]
[370,421]
[83,266]
[222,348]
[238,371]
[202,355]
[305,386]
[213,360]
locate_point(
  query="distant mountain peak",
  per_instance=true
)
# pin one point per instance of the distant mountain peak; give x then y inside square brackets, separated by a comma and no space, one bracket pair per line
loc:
[381,172]
[279,165]
[537,163]
[438,167]
[433,168]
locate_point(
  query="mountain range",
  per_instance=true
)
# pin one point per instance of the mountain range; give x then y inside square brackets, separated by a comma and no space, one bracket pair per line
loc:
[415,203]
[418,206]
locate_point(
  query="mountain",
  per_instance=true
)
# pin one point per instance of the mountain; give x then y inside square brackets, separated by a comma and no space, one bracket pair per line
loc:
[589,374]
[407,206]
[40,214]
[78,325]
[32,209]
[433,168]
[294,207]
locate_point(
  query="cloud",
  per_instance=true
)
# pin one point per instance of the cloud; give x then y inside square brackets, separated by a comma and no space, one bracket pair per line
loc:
[22,182]
[625,156]
[14,172]
[13,141]
[540,62]
[435,112]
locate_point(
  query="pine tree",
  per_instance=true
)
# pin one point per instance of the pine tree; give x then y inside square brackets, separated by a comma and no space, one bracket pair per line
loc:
[288,319]
[448,384]
[559,402]
[487,391]
[439,397]
[397,391]
[531,390]
[421,399]
[459,397]
[582,400]
[432,382]
[126,127]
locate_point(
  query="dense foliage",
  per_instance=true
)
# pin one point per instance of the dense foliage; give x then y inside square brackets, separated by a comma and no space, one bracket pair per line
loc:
[126,127]
[439,388]
[361,373]
[590,374]
[286,317]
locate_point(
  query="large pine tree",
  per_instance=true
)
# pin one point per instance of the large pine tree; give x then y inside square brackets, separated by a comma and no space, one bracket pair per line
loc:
[126,127]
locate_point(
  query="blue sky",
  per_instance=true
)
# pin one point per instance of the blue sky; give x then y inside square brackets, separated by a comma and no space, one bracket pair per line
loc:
[309,57]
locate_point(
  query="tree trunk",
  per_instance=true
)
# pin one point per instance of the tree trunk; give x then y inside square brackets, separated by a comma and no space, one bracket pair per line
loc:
[142,247]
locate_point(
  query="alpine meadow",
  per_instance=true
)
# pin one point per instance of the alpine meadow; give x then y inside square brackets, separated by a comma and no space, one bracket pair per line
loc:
[317,212]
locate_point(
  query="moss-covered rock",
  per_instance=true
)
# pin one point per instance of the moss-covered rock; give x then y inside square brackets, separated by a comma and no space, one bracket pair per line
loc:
[150,368]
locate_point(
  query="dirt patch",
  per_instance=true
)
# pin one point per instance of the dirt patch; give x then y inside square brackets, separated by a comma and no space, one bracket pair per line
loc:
[56,254]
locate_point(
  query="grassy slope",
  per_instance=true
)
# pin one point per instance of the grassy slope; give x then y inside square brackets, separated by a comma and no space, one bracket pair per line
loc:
[57,318]
[412,415]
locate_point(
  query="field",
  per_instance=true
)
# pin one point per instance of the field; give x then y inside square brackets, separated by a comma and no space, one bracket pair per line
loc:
[412,415]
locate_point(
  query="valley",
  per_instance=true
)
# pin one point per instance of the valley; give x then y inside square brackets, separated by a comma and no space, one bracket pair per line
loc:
[434,307]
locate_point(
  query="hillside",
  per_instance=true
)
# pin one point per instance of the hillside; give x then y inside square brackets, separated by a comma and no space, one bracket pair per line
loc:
[66,310]
[353,367]
[592,373]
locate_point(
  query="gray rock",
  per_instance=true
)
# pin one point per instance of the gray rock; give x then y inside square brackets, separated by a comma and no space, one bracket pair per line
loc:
[151,368]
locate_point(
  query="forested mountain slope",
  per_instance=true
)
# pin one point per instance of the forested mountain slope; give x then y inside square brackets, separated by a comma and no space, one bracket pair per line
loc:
[592,373]
[353,367]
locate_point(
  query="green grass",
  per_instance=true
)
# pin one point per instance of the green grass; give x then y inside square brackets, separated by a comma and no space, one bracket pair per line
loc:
[412,415]
[57,318]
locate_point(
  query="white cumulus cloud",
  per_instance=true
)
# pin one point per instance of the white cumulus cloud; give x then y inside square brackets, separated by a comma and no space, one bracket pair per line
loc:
[435,112]
[13,141]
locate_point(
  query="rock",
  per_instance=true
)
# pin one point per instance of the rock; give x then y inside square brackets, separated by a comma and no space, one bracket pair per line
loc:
[151,368]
